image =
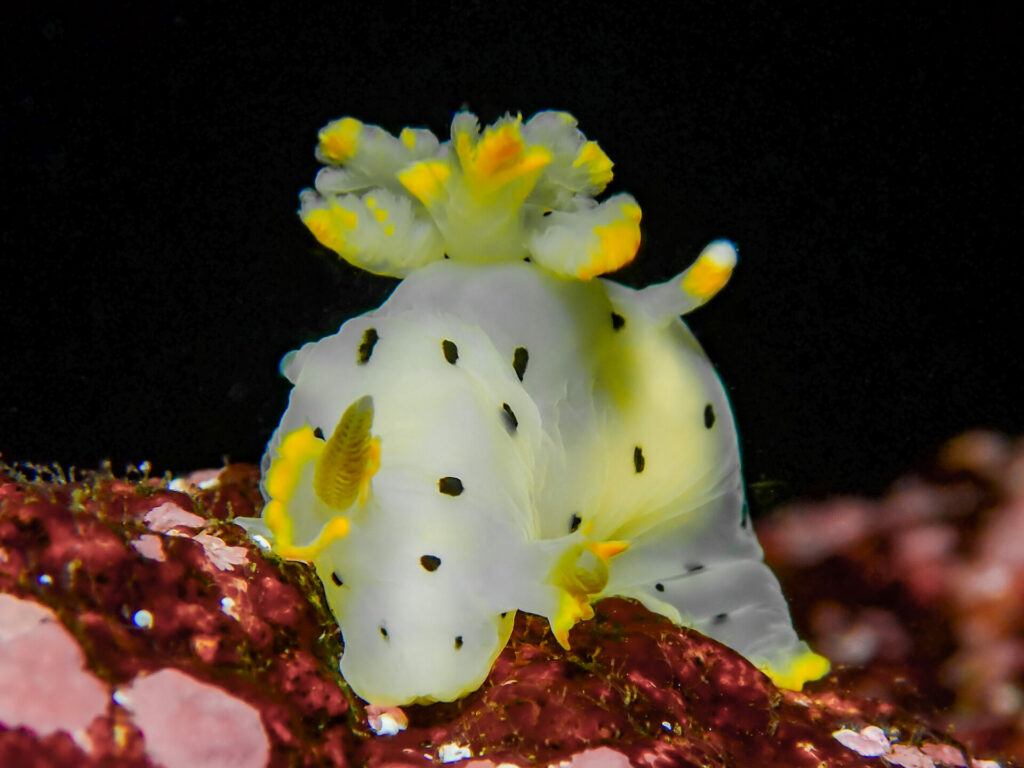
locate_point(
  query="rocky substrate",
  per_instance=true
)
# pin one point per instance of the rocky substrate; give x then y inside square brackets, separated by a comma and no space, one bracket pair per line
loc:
[140,627]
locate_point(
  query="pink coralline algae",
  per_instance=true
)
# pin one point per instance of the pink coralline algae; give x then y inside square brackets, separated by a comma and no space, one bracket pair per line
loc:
[924,587]
[159,598]
[68,698]
[187,723]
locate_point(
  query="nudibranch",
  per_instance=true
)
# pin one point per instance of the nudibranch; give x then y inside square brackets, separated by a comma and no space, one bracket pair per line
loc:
[508,432]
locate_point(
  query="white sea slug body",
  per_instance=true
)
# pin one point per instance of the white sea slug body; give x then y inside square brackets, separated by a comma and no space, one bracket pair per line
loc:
[505,435]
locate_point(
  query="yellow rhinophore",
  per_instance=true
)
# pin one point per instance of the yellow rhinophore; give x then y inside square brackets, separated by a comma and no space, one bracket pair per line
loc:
[342,470]
[796,671]
[350,458]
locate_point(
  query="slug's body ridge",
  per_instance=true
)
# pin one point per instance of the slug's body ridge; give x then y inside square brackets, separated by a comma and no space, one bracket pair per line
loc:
[502,435]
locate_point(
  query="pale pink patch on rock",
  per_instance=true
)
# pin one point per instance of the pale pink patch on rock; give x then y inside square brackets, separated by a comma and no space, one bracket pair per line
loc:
[602,757]
[219,553]
[168,515]
[946,754]
[43,685]
[909,757]
[151,546]
[189,724]
[871,741]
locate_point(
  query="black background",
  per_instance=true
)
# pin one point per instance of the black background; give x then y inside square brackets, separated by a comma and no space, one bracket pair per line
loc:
[865,158]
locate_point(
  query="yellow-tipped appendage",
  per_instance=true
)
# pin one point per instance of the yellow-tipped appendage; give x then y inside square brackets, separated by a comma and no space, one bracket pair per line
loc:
[328,225]
[499,160]
[342,469]
[798,670]
[711,271]
[339,140]
[618,243]
[597,163]
[426,180]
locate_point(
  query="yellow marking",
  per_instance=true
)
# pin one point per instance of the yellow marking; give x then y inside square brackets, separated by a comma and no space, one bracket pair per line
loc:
[571,609]
[408,137]
[598,164]
[618,242]
[580,573]
[371,201]
[327,225]
[499,158]
[798,670]
[350,458]
[380,214]
[389,229]
[606,550]
[296,450]
[426,180]
[340,140]
[335,529]
[705,278]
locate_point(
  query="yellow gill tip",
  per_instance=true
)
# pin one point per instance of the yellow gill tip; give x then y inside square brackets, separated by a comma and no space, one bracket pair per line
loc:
[597,163]
[618,242]
[426,180]
[339,140]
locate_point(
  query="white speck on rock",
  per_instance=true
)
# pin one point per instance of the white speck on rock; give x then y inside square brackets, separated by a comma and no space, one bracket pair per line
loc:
[386,721]
[143,619]
[452,752]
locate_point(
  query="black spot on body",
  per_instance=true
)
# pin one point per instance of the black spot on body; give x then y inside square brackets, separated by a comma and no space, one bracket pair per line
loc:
[336,579]
[318,433]
[660,587]
[383,633]
[720,618]
[430,562]
[511,422]
[370,338]
[450,351]
[694,568]
[504,614]
[519,360]
[450,486]
[458,642]
[638,459]
[574,522]
[617,321]
[709,416]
